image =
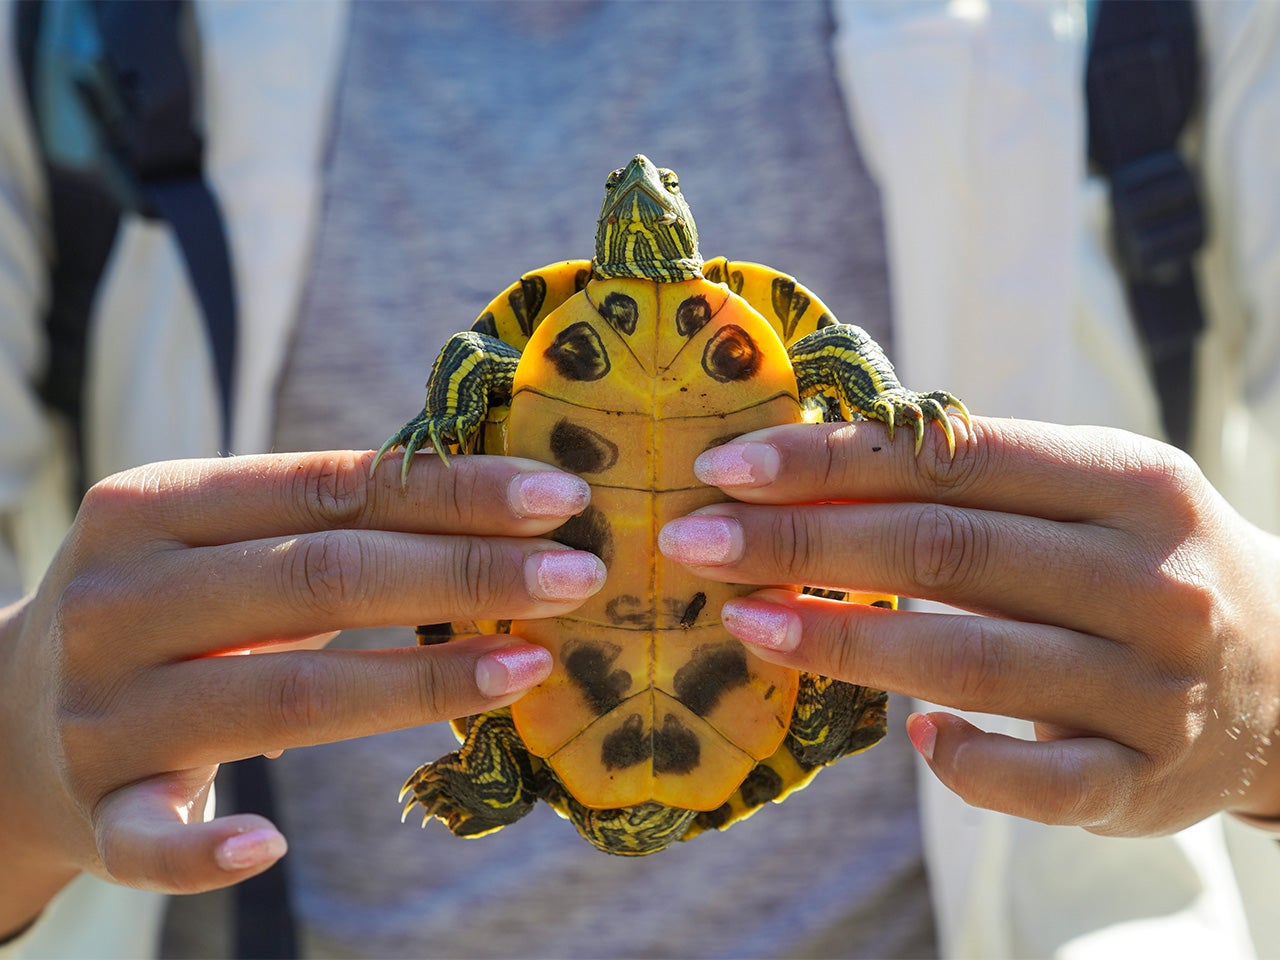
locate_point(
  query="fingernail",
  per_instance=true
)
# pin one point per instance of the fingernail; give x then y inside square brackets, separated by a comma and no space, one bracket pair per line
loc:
[512,669]
[923,733]
[702,541]
[564,575]
[738,465]
[762,624]
[548,494]
[255,848]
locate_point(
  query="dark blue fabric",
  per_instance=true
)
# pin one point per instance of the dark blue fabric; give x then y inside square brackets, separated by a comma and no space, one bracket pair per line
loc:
[1142,81]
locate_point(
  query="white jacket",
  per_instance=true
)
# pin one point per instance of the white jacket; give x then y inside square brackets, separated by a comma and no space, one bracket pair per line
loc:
[971,118]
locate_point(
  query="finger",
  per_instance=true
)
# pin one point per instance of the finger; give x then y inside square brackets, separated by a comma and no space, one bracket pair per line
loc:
[1041,469]
[276,701]
[204,502]
[152,835]
[1025,670]
[1085,782]
[1074,575]
[212,599]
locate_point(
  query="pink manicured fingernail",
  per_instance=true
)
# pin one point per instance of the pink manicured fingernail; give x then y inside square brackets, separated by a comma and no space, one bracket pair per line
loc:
[255,848]
[762,624]
[702,541]
[923,733]
[738,465]
[548,494]
[512,669]
[564,575]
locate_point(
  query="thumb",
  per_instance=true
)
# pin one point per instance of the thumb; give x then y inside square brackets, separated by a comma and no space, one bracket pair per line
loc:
[160,834]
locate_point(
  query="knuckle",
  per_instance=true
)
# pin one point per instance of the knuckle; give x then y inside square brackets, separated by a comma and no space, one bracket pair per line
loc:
[948,475]
[979,666]
[477,578]
[788,542]
[333,492]
[1165,482]
[1072,799]
[945,547]
[845,650]
[303,702]
[91,607]
[459,491]
[1185,702]
[327,571]
[110,506]
[435,688]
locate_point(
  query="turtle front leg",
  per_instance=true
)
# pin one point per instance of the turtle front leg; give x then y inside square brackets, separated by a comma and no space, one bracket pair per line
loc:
[473,374]
[841,364]
[481,787]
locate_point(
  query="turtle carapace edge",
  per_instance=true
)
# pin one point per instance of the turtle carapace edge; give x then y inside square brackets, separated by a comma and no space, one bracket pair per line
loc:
[655,723]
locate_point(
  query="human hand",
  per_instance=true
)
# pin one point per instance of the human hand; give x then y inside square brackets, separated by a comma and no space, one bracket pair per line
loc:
[1117,601]
[117,694]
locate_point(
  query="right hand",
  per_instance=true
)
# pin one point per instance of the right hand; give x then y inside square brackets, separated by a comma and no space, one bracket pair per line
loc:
[118,698]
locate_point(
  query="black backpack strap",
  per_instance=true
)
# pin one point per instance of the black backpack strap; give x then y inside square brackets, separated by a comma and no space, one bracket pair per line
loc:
[147,110]
[120,78]
[84,219]
[1141,83]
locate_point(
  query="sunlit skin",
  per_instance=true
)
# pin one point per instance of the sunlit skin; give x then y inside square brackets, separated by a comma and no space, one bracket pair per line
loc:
[1079,552]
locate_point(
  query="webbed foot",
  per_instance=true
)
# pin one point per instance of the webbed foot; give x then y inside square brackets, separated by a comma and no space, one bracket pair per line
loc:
[483,786]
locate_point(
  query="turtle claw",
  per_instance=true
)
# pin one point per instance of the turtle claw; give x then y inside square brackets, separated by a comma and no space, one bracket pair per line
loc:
[421,433]
[901,407]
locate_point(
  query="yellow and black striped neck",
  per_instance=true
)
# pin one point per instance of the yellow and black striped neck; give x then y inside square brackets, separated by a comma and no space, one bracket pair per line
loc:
[645,229]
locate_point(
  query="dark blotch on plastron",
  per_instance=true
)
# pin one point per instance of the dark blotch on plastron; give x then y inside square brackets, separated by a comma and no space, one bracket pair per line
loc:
[581,450]
[675,747]
[761,785]
[626,746]
[715,819]
[589,666]
[731,355]
[588,531]
[710,673]
[692,315]
[622,312]
[629,610]
[578,353]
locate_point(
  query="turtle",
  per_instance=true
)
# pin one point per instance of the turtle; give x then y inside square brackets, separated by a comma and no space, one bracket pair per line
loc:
[655,723]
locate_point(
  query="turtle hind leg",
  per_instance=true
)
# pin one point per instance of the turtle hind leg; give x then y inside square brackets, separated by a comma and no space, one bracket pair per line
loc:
[634,831]
[833,719]
[481,787]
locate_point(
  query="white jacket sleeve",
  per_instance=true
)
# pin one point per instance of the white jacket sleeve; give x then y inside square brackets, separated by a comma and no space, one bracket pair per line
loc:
[24,427]
[1241,45]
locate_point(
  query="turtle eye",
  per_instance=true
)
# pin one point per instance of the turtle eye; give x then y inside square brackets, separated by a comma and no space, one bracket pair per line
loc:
[670,180]
[614,179]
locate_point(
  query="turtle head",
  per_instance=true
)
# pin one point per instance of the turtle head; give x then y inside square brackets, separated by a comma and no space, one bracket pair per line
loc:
[645,228]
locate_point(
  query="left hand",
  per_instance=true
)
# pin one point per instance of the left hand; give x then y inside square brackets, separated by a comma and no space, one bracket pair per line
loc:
[1114,599]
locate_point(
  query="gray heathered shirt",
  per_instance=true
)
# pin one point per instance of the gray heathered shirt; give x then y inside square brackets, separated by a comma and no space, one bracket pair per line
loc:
[470,144]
